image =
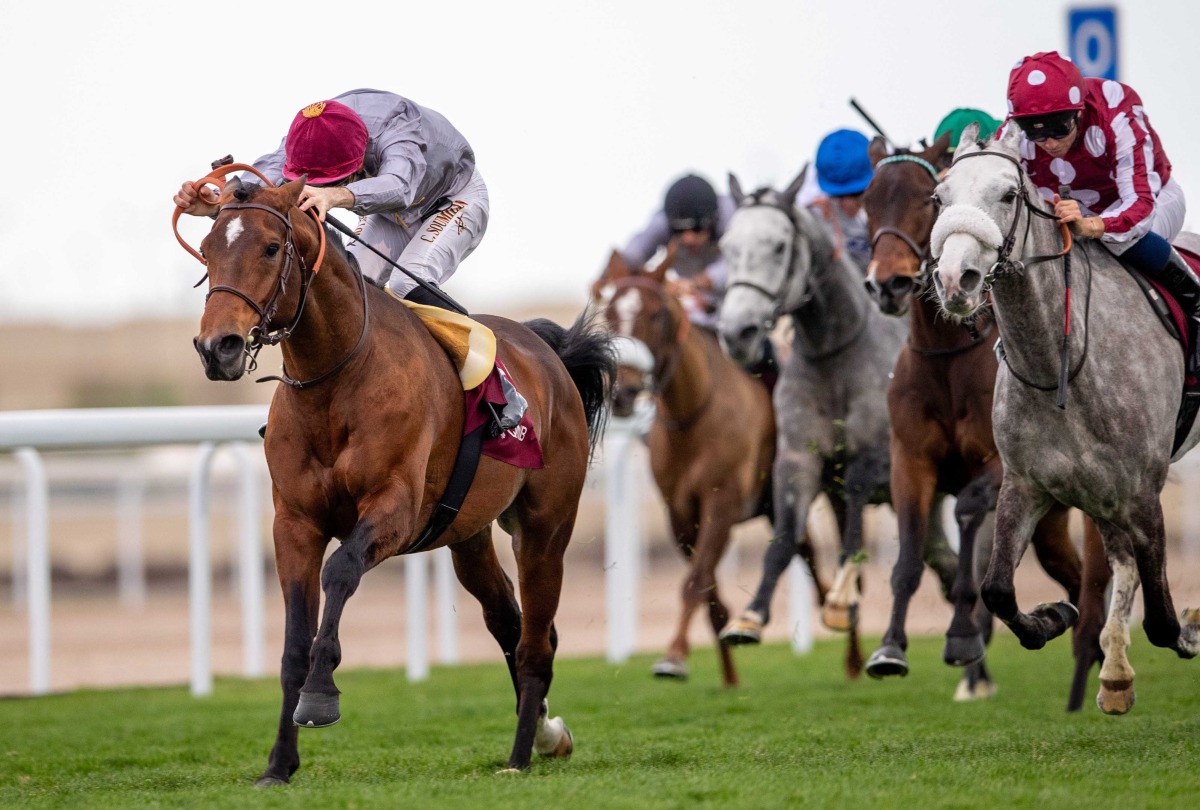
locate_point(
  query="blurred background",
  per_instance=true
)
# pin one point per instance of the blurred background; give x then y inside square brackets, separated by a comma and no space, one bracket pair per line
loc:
[581,114]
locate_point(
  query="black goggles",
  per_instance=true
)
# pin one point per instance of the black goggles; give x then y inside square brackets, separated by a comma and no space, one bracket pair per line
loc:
[1043,129]
[691,224]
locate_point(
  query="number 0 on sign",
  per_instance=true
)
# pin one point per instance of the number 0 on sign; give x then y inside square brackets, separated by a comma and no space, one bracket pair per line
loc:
[1092,41]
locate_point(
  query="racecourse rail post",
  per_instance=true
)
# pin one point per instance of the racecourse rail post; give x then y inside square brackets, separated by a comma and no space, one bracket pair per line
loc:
[37,550]
[622,536]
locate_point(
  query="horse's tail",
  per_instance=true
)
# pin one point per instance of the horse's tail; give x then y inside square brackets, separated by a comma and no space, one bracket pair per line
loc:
[586,349]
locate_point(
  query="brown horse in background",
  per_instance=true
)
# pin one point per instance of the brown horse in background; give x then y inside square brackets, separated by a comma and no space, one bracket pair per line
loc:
[362,448]
[940,403]
[712,442]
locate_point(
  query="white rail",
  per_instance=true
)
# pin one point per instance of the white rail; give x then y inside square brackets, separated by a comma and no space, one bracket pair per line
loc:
[26,433]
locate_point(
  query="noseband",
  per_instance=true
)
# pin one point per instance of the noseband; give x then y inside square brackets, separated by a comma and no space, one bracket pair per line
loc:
[921,279]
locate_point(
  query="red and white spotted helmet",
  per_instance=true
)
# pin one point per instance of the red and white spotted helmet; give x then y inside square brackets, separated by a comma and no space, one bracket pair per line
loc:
[1044,83]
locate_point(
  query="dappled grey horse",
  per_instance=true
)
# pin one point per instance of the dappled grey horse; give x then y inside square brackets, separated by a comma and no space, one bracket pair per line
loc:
[830,403]
[1107,452]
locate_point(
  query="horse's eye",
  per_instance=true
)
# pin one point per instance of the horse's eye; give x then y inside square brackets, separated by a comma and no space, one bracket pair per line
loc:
[272,249]
[935,199]
[1009,196]
[780,248]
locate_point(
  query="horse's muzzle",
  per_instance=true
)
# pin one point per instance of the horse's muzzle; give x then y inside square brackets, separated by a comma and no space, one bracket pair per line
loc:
[744,345]
[224,358]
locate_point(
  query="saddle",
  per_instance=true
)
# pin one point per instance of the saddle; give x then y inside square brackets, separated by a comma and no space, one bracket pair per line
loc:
[1175,321]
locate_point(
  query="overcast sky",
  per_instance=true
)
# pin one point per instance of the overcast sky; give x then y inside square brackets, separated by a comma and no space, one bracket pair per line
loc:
[580,114]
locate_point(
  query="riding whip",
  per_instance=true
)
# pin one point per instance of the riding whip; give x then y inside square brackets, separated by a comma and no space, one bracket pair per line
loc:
[869,120]
[430,288]
[1064,192]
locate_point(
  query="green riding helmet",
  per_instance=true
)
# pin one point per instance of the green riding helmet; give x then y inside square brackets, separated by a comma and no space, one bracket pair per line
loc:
[960,119]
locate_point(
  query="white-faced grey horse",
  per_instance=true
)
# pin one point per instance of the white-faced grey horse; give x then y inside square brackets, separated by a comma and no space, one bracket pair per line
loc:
[1107,452]
[830,403]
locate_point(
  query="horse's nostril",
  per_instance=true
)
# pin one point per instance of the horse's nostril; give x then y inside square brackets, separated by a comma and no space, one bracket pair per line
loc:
[229,346]
[970,280]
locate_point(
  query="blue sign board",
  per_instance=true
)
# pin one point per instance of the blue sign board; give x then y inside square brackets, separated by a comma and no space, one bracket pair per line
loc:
[1092,41]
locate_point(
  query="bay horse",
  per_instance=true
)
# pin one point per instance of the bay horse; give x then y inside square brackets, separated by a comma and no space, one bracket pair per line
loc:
[833,429]
[362,442]
[940,405]
[1108,450]
[712,442]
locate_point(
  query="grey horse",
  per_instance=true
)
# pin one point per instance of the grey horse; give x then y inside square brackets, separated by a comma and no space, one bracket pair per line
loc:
[830,403]
[1107,452]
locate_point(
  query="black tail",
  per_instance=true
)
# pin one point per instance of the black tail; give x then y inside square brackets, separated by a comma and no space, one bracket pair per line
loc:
[586,349]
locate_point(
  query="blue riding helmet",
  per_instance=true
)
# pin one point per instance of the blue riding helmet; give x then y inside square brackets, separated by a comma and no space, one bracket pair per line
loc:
[843,166]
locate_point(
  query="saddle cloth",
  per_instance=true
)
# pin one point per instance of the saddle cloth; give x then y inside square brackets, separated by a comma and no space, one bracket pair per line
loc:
[471,347]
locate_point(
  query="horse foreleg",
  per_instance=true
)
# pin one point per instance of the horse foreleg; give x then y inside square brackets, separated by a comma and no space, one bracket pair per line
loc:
[1116,675]
[298,553]
[686,527]
[965,642]
[862,474]
[913,483]
[1017,513]
[717,513]
[319,703]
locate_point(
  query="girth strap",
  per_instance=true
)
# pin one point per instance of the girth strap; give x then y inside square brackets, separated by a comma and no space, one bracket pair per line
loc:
[461,478]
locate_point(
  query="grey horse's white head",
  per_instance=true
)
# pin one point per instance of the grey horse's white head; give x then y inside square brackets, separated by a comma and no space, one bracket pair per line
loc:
[977,200]
[769,261]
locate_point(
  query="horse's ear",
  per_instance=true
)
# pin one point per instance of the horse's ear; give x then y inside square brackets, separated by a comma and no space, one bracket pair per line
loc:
[877,150]
[735,189]
[936,153]
[789,193]
[290,192]
[1010,137]
[970,138]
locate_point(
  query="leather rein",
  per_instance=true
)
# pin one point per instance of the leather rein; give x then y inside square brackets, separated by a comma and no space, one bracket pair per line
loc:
[1005,266]
[261,334]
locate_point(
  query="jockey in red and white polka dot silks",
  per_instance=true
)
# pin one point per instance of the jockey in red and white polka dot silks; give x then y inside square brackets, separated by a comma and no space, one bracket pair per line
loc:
[1115,164]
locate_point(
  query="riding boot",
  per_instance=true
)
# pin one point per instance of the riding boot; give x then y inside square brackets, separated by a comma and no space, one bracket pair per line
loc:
[1182,283]
[515,405]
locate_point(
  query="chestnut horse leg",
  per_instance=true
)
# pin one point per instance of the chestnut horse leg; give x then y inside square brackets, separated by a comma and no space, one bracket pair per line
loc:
[685,528]
[361,551]
[914,481]
[718,510]
[479,571]
[1086,641]
[298,554]
[1018,512]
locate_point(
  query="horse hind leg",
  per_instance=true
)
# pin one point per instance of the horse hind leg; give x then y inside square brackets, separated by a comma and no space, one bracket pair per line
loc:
[1086,639]
[1163,628]
[480,573]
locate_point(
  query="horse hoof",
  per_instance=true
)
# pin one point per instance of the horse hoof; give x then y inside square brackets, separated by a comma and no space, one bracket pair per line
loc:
[981,690]
[1059,617]
[316,710]
[266,781]
[962,651]
[1116,697]
[839,618]
[745,629]
[671,668]
[887,661]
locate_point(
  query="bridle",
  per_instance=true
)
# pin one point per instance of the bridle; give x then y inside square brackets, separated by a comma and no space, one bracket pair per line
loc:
[923,255]
[667,366]
[921,279]
[1006,266]
[757,200]
[261,333]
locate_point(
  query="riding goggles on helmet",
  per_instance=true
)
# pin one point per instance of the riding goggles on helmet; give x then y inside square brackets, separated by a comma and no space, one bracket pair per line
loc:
[693,224]
[1044,127]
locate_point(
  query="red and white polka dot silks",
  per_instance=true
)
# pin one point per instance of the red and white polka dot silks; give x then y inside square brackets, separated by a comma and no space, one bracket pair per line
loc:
[1116,165]
[1044,83]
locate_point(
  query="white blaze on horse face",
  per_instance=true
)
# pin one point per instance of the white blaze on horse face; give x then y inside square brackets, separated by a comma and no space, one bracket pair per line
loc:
[628,305]
[233,230]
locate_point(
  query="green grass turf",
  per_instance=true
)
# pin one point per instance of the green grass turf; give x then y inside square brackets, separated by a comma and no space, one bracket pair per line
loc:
[794,735]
